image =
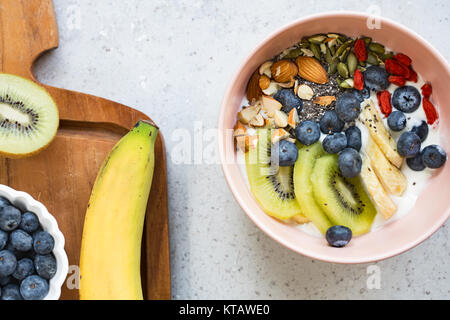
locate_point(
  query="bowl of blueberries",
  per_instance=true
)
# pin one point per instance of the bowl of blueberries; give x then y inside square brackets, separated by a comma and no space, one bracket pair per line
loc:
[33,263]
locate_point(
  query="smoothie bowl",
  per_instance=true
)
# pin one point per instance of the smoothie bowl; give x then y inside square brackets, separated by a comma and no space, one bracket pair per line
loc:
[333,139]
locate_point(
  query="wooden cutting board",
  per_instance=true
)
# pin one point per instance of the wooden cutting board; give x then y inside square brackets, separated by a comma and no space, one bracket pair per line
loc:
[62,176]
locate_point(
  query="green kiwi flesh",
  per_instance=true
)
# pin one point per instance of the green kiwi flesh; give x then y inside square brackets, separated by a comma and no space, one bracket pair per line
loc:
[271,186]
[303,168]
[343,200]
[29,117]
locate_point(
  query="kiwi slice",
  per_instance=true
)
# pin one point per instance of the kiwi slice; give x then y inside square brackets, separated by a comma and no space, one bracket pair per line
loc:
[28,117]
[344,201]
[271,186]
[303,168]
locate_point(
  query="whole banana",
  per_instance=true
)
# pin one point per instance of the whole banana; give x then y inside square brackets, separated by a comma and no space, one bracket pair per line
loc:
[111,243]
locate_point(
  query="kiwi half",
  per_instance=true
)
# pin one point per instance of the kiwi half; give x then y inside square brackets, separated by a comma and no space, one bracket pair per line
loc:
[271,186]
[303,168]
[28,117]
[343,200]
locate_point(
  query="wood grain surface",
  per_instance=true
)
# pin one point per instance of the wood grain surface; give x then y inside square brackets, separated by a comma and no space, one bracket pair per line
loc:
[62,176]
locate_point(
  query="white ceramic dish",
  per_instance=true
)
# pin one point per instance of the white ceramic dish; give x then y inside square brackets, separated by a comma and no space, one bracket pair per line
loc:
[25,202]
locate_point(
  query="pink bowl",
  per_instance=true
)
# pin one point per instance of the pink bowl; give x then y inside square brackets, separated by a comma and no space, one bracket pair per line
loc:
[432,208]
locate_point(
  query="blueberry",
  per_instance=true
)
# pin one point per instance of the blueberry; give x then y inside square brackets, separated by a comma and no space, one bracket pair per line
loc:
[284,153]
[348,107]
[25,268]
[30,222]
[416,163]
[4,202]
[3,239]
[335,142]
[34,288]
[396,121]
[11,292]
[307,132]
[408,145]
[349,162]
[338,236]
[421,130]
[4,281]
[20,240]
[361,95]
[330,122]
[289,100]
[354,140]
[10,218]
[406,99]
[376,78]
[8,263]
[45,265]
[43,242]
[434,156]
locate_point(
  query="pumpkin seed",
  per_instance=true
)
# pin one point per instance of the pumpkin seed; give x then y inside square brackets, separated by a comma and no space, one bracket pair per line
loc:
[387,55]
[362,63]
[352,62]
[343,56]
[328,56]
[307,52]
[347,84]
[293,53]
[317,39]
[372,59]
[332,67]
[342,70]
[304,43]
[367,40]
[376,47]
[341,49]
[323,48]
[362,69]
[316,51]
[332,49]
[333,35]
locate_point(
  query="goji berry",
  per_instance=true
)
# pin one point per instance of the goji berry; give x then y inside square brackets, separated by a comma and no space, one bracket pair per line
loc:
[397,80]
[384,101]
[412,75]
[360,50]
[403,59]
[430,111]
[397,68]
[426,90]
[358,80]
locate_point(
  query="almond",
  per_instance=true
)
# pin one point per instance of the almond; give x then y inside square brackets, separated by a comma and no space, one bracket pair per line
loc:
[247,114]
[272,89]
[293,119]
[283,70]
[324,100]
[279,134]
[289,84]
[281,119]
[270,105]
[257,121]
[239,129]
[246,142]
[305,92]
[264,82]
[310,69]
[253,90]
[265,69]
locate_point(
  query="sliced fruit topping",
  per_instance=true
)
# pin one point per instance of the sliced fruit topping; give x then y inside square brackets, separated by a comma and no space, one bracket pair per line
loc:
[354,139]
[330,122]
[406,99]
[348,107]
[408,145]
[335,142]
[434,156]
[303,168]
[397,121]
[28,117]
[376,190]
[338,236]
[272,186]
[372,120]
[376,78]
[307,132]
[344,201]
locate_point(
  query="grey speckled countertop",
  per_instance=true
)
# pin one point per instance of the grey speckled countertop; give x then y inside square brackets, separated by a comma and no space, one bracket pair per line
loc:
[173,60]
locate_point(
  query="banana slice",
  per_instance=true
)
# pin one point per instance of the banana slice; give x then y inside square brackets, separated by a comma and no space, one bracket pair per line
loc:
[393,180]
[379,195]
[300,219]
[372,119]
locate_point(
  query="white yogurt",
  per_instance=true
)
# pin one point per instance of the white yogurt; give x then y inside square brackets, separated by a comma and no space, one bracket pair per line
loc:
[417,180]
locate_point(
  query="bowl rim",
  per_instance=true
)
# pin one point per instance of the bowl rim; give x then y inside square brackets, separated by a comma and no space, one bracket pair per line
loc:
[49,223]
[223,156]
